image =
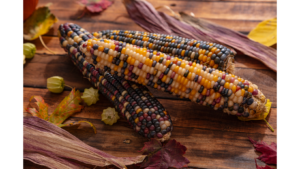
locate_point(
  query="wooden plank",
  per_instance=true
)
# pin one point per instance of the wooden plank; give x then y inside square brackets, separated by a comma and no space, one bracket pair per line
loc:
[41,67]
[239,16]
[213,139]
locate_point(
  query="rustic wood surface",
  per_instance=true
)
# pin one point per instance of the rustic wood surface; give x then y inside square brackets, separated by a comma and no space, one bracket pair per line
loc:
[213,139]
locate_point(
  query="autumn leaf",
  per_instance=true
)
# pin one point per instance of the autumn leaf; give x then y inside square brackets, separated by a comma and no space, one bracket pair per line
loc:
[39,23]
[96,6]
[261,167]
[164,156]
[43,108]
[265,32]
[269,152]
[65,109]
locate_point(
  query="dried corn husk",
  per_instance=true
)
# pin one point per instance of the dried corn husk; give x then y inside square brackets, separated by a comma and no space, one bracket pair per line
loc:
[51,146]
[184,25]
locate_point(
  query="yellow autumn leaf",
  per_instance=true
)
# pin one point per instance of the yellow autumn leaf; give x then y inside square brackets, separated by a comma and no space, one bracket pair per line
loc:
[265,32]
[39,23]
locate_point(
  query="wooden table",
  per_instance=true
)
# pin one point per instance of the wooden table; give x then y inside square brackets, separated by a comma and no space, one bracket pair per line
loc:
[213,139]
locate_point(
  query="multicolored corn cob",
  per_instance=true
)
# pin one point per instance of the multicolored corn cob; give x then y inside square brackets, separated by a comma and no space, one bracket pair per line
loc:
[209,54]
[206,86]
[133,101]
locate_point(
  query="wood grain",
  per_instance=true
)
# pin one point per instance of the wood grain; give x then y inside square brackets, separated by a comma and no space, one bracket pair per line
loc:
[210,136]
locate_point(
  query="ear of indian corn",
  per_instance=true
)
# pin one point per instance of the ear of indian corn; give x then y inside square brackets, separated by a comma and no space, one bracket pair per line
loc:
[209,54]
[203,85]
[133,101]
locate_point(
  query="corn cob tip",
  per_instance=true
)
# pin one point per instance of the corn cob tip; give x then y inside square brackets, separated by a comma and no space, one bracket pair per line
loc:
[230,67]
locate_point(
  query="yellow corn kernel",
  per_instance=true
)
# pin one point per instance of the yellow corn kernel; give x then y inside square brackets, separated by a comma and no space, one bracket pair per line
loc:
[250,89]
[198,71]
[242,92]
[226,85]
[113,46]
[123,51]
[233,88]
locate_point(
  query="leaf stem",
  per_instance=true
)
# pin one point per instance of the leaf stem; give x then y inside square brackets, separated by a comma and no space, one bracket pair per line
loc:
[45,45]
[271,128]
[68,86]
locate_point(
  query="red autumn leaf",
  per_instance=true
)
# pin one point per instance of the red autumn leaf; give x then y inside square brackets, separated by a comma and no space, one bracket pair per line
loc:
[269,152]
[261,167]
[164,156]
[96,6]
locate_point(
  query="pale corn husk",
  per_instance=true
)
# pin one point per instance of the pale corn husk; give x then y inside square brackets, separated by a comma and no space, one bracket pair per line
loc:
[51,146]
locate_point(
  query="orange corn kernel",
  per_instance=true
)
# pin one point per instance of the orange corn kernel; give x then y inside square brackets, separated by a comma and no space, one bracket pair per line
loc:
[250,89]
[110,58]
[88,48]
[101,48]
[204,91]
[215,78]
[126,71]
[226,85]
[182,65]
[217,95]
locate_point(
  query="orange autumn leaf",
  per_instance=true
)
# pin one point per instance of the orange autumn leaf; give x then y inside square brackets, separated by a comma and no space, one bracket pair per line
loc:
[65,109]
[43,108]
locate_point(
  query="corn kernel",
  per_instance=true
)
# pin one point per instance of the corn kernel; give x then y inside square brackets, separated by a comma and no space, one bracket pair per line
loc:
[233,88]
[204,91]
[123,51]
[100,48]
[243,92]
[250,89]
